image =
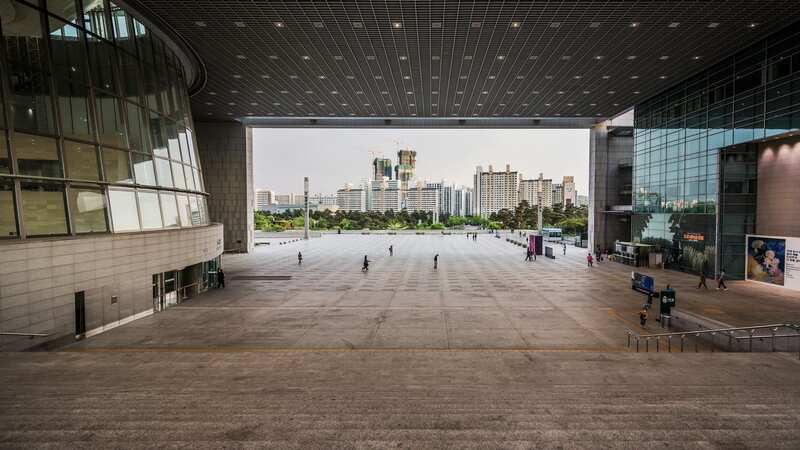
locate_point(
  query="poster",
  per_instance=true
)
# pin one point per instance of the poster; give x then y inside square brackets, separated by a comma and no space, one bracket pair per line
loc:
[773,260]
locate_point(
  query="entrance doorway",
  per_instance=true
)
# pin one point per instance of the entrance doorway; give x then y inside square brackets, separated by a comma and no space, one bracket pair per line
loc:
[80,314]
[165,290]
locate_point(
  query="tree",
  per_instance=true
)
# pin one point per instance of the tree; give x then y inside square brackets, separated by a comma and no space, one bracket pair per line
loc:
[456,221]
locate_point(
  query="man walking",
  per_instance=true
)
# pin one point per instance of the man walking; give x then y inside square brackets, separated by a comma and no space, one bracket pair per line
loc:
[391,250]
[564,247]
[436,262]
[721,281]
[365,267]
[220,278]
[528,254]
[299,258]
[702,280]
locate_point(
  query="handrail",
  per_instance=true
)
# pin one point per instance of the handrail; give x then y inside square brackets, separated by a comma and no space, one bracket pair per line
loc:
[30,335]
[730,332]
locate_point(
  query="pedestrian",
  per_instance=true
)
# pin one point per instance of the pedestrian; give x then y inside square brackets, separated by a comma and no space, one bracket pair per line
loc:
[589,259]
[528,255]
[721,281]
[220,278]
[643,317]
[564,247]
[436,262]
[365,267]
[299,258]
[702,280]
[598,254]
[391,250]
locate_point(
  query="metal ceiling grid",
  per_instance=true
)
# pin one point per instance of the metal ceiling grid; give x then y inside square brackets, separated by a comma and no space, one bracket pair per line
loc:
[437,58]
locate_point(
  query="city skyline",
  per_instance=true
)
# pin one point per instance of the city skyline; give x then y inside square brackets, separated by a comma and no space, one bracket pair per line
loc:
[332,158]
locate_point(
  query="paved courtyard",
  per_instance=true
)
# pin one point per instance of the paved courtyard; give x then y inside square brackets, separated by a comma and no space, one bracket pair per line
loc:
[483,295]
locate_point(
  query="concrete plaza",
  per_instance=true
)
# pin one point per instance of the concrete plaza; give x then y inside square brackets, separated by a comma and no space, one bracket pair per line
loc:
[483,295]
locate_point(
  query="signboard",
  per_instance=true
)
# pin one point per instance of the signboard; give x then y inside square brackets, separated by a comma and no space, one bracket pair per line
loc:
[773,260]
[696,237]
[641,282]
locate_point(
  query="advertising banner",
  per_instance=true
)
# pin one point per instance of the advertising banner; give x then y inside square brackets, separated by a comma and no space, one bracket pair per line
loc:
[773,260]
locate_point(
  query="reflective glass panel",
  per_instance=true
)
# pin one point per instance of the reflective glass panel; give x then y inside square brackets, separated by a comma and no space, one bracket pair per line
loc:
[81,161]
[66,9]
[88,208]
[109,115]
[116,166]
[94,18]
[164,173]
[201,203]
[130,77]
[102,59]
[136,132]
[124,214]
[184,211]
[8,223]
[150,210]
[5,160]
[157,137]
[37,155]
[73,105]
[194,209]
[169,209]
[177,171]
[31,103]
[198,180]
[189,178]
[143,169]
[43,209]
[185,149]
[23,37]
[119,19]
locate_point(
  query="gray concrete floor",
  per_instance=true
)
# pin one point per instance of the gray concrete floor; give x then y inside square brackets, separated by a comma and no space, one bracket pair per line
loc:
[483,295]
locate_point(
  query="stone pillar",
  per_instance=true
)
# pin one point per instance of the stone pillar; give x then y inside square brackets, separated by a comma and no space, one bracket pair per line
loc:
[610,179]
[598,138]
[226,156]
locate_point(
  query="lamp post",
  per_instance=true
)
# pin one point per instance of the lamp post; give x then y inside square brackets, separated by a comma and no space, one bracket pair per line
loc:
[305,222]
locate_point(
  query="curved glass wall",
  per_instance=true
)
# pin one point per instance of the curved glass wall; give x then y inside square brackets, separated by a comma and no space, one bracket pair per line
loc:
[690,163]
[95,128]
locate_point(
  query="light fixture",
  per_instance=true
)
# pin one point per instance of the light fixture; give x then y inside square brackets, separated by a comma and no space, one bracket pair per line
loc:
[598,57]
[378,77]
[555,24]
[752,25]
[319,25]
[272,57]
[406,77]
[358,25]
[436,24]
[663,77]
[397,25]
[577,77]
[674,25]
[560,92]
[696,57]
[594,25]
[321,77]
[265,76]
[606,77]
[234,91]
[306,57]
[200,23]
[279,24]
[240,24]
[515,24]
[501,57]
[284,92]
[212,93]
[663,57]
[409,93]
[520,77]
[492,77]
[338,57]
[585,92]
[634,77]
[566,57]
[612,92]
[631,57]
[713,25]
[236,75]
[634,24]
[434,77]
[435,57]
[476,24]
[485,92]
[403,58]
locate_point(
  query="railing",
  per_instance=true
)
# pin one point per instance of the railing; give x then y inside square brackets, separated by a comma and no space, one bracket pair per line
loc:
[732,335]
[30,335]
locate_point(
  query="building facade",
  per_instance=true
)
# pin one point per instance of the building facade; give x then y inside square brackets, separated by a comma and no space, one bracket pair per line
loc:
[383,200]
[558,194]
[349,199]
[381,167]
[495,190]
[101,187]
[406,167]
[569,193]
[537,191]
[423,199]
[715,160]
[264,198]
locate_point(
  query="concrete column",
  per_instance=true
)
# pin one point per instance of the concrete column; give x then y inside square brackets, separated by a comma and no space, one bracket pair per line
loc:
[598,183]
[226,156]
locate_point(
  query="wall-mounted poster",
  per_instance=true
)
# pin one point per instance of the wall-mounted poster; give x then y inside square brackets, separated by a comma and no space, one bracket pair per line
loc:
[773,260]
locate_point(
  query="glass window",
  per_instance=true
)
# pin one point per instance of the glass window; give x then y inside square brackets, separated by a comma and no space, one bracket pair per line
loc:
[143,169]
[185,149]
[102,59]
[116,166]
[8,224]
[68,52]
[177,171]
[150,210]
[94,18]
[157,136]
[192,148]
[81,161]
[66,9]
[109,115]
[201,203]
[73,106]
[194,209]
[31,106]
[184,210]
[24,41]
[170,209]
[88,209]
[171,134]
[163,171]
[198,180]
[189,178]
[43,209]
[136,132]
[5,160]
[130,77]
[37,155]
[124,214]
[119,20]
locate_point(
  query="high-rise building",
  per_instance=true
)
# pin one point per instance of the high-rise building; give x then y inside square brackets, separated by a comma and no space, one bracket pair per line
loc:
[381,167]
[383,200]
[570,195]
[322,199]
[445,192]
[469,202]
[583,200]
[495,190]
[537,191]
[558,194]
[264,198]
[406,166]
[349,199]
[423,199]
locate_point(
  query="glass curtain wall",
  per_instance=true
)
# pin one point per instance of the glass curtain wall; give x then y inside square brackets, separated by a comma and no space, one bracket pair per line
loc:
[95,127]
[681,133]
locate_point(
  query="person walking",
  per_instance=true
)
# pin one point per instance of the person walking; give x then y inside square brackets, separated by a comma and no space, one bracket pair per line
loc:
[365,267]
[528,254]
[299,258]
[643,317]
[702,280]
[589,259]
[220,278]
[564,247]
[391,250]
[436,262]
[721,281]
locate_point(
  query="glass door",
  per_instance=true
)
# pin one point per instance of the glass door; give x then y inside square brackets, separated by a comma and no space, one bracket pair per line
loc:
[170,289]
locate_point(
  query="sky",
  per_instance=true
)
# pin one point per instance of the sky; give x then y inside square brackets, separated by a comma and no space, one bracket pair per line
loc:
[333,157]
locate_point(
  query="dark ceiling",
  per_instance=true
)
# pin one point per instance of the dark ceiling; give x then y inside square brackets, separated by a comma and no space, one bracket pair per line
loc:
[487,59]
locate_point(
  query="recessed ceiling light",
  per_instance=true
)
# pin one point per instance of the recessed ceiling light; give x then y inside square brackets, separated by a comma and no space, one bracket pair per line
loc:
[265,76]
[611,92]
[344,104]
[555,24]
[566,57]
[520,77]
[212,93]
[468,57]
[634,24]
[389,105]
[434,92]
[663,57]
[293,77]
[385,92]
[298,104]
[476,24]
[436,24]
[560,92]
[492,77]
[594,25]
[636,92]
[397,25]
[696,57]
[403,58]
[435,77]
[273,57]
[234,91]
[606,77]
[200,23]
[462,77]
[359,92]
[306,57]
[334,92]
[338,57]
[276,104]
[279,24]
[412,104]
[570,104]
[366,104]
[230,114]
[350,77]
[663,77]
[320,104]
[674,25]
[547,104]
[459,92]
[509,92]
[577,77]
[259,92]
[634,77]
[210,114]
[485,92]
[524,104]
[406,77]
[713,25]
[209,103]
[321,77]
[371,57]
[585,92]
[533,57]
[240,24]
[616,104]
[548,77]
[284,92]
[435,57]
[598,57]
[358,25]
[457,104]
[319,25]
[515,24]
[309,92]
[236,75]
[752,25]
[592,104]
[501,57]
[434,104]
[378,77]
[631,57]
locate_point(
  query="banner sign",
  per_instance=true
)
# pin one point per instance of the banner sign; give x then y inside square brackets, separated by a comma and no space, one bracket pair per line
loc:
[773,260]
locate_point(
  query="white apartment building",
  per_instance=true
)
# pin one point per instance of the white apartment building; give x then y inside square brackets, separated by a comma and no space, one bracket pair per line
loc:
[264,198]
[570,194]
[537,190]
[583,200]
[558,194]
[323,199]
[495,190]
[423,199]
[383,200]
[349,199]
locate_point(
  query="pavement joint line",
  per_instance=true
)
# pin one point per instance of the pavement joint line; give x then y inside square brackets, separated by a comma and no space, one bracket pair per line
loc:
[337,350]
